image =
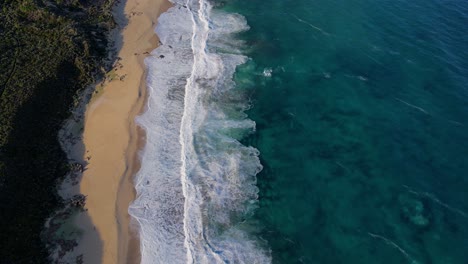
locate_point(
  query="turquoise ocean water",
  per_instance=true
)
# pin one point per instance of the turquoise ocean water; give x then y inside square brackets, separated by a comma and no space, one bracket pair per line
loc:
[361,111]
[306,131]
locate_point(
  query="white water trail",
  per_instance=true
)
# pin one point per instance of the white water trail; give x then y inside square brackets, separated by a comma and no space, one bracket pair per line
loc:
[433,198]
[394,245]
[311,25]
[412,105]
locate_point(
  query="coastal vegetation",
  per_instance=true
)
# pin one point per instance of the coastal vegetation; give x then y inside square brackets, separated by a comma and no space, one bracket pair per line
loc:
[49,51]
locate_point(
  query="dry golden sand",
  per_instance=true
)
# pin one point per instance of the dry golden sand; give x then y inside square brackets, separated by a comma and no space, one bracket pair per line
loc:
[111,140]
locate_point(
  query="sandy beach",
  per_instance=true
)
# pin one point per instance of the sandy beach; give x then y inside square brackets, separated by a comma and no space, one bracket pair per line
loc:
[111,139]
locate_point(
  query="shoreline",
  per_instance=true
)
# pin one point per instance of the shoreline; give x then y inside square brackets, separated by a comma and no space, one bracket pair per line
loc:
[103,137]
[128,249]
[110,121]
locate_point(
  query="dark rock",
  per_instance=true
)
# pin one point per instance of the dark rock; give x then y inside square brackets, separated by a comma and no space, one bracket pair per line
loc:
[78,200]
[76,167]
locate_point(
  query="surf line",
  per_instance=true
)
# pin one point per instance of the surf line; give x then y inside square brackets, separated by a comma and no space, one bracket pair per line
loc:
[200,28]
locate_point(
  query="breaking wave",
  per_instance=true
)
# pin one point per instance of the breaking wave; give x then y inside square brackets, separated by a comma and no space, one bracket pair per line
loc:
[197,182]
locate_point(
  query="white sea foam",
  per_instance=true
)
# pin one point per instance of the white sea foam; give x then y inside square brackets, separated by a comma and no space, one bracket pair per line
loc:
[197,183]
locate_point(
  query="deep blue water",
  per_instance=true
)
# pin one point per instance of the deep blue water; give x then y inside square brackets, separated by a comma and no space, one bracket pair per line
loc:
[362,124]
